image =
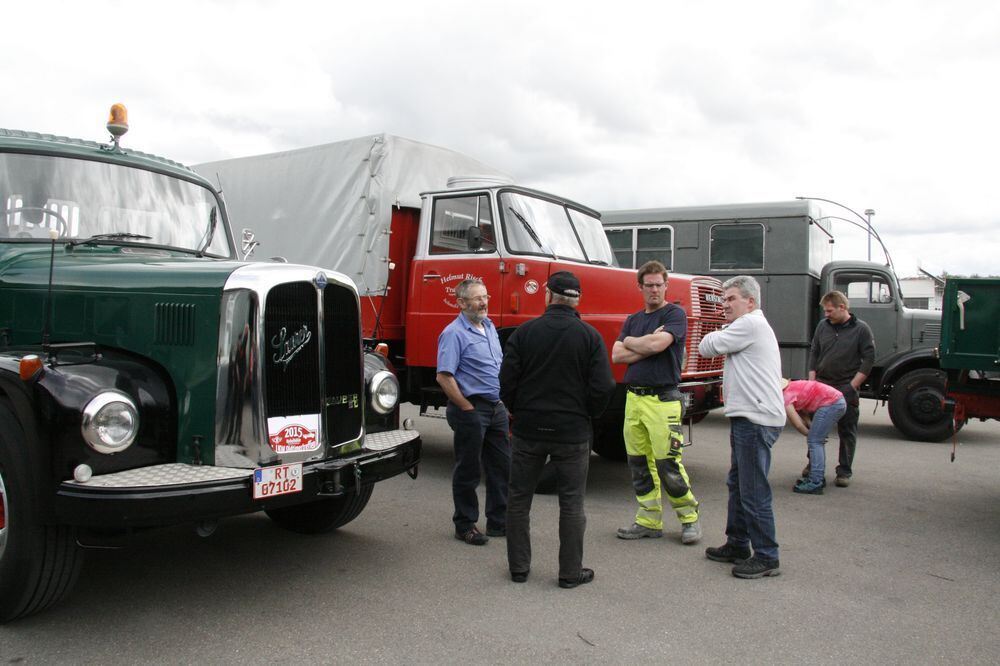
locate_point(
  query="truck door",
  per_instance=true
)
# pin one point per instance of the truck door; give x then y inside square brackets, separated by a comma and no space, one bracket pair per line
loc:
[873,298]
[460,243]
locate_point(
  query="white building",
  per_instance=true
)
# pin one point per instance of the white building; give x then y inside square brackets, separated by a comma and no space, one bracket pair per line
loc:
[923,292]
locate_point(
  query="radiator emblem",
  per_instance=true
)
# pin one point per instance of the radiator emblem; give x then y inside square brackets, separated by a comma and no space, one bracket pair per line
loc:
[287,345]
[349,399]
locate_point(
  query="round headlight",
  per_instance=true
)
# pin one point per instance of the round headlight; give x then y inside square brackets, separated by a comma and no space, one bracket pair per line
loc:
[385,392]
[110,422]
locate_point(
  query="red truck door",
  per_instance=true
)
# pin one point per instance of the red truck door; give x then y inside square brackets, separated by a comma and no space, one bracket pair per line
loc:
[460,244]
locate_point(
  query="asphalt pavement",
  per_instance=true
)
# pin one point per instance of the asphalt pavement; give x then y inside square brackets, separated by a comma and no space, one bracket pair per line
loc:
[901,567]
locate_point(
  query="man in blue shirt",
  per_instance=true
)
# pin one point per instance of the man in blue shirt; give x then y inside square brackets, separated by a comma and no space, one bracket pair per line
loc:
[468,370]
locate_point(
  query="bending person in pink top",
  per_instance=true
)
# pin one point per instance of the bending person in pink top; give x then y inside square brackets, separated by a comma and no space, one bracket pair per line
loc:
[814,409]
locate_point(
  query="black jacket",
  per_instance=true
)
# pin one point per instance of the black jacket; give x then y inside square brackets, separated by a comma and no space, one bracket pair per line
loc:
[839,351]
[555,377]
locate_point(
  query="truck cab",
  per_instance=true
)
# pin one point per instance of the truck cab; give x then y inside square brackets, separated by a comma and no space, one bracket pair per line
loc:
[787,246]
[149,376]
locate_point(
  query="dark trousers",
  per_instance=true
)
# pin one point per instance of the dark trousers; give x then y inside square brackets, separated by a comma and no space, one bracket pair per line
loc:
[481,446]
[847,429]
[750,520]
[570,462]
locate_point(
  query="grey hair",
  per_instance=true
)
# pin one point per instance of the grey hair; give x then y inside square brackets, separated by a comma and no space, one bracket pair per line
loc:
[559,299]
[463,287]
[749,288]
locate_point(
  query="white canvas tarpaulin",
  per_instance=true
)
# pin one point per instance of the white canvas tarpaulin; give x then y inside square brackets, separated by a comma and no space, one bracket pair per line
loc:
[331,205]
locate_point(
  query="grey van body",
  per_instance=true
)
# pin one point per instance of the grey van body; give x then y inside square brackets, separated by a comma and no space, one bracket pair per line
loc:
[788,247]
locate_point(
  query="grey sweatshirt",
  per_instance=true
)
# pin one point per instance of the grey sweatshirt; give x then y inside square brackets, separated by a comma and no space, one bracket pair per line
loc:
[751,380]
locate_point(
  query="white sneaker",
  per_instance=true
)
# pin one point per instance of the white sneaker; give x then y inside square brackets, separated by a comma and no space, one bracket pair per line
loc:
[691,533]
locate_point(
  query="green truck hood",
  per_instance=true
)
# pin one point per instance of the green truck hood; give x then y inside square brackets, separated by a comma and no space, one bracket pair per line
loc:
[160,305]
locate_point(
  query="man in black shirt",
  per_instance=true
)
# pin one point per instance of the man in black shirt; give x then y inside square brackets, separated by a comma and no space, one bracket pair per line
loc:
[842,355]
[652,344]
[555,377]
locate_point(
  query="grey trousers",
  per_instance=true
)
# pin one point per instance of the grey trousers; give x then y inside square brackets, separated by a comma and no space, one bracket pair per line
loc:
[571,462]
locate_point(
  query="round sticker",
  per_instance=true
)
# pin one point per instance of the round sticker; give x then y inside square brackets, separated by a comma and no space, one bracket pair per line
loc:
[531,286]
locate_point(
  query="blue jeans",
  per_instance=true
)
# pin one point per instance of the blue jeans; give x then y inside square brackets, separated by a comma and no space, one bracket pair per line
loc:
[481,446]
[822,422]
[751,519]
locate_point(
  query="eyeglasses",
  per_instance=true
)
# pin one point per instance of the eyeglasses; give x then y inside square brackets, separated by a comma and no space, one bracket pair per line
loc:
[654,285]
[477,299]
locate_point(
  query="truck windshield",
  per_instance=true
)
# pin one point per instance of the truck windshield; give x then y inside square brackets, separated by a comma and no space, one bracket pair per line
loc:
[540,226]
[81,199]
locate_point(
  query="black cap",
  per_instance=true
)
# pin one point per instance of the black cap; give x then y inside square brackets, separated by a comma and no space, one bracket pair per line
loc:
[564,283]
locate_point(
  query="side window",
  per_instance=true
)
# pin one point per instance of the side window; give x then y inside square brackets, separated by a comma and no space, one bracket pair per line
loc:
[736,247]
[656,243]
[864,289]
[462,225]
[621,245]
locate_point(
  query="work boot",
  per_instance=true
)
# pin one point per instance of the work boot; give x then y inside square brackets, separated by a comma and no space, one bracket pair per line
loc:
[756,567]
[807,487]
[691,533]
[843,481]
[586,576]
[637,531]
[728,553]
[473,537]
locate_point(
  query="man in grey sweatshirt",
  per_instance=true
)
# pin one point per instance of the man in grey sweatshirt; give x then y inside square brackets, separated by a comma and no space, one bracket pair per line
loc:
[751,385]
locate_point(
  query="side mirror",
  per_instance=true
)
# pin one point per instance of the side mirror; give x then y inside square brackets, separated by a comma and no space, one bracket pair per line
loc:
[474,238]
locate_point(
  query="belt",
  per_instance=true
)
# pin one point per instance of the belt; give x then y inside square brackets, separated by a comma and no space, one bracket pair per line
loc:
[482,398]
[647,390]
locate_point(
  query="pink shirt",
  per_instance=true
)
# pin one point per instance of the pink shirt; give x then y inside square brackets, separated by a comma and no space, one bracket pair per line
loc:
[808,396]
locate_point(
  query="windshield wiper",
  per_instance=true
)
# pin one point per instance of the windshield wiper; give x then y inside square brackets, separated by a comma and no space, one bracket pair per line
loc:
[599,262]
[213,220]
[93,240]
[527,227]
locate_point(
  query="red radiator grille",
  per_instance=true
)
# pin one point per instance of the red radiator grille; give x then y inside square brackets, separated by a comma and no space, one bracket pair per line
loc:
[696,363]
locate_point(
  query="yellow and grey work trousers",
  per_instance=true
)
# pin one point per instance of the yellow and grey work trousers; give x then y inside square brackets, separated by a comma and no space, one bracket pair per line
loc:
[653,441]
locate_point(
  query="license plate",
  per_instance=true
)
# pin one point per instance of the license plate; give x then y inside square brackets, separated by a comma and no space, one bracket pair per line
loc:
[277,480]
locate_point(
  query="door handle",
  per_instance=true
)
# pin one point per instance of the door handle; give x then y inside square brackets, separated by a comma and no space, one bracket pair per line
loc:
[431,276]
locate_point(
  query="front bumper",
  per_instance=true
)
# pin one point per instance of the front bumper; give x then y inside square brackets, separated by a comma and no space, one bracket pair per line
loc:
[179,493]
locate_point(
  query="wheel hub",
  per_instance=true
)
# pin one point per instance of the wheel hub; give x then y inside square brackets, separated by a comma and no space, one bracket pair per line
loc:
[926,406]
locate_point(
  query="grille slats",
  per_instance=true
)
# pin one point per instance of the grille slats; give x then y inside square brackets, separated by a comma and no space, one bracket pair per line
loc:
[292,345]
[297,348]
[706,316]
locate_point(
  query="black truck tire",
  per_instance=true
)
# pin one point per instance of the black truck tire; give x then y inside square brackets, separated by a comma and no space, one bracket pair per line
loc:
[916,406]
[608,440]
[324,515]
[39,564]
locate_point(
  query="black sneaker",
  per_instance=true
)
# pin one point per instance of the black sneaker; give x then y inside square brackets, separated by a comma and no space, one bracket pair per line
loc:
[586,575]
[496,531]
[519,576]
[473,537]
[756,567]
[728,553]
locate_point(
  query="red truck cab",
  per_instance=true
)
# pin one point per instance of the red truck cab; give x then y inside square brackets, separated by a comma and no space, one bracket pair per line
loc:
[513,238]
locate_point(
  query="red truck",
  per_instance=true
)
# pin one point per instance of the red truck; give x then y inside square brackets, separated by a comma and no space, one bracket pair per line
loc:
[400,219]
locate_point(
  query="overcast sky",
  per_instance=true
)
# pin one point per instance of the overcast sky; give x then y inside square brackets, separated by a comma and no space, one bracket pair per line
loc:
[875,104]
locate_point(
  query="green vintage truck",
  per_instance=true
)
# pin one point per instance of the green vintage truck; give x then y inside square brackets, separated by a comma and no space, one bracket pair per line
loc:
[149,376]
[970,348]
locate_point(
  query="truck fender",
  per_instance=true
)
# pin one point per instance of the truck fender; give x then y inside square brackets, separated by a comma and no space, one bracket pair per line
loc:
[898,366]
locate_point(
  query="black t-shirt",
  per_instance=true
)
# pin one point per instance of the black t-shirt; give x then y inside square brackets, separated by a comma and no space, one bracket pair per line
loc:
[663,369]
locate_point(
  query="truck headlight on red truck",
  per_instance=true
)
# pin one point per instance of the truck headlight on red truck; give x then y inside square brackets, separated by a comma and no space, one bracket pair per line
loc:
[110,422]
[385,392]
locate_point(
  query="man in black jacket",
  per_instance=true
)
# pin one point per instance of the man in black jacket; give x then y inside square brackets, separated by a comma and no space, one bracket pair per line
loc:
[842,355]
[555,377]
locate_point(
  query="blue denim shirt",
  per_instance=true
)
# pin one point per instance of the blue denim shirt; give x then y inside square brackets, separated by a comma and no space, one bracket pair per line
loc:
[473,358]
